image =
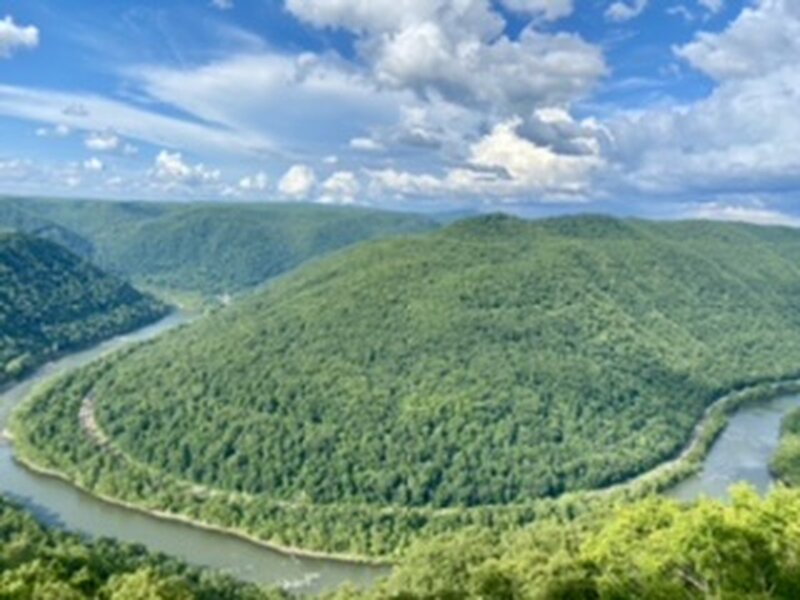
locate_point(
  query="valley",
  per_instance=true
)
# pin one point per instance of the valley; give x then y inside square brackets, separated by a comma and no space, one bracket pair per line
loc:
[184,441]
[400,300]
[199,251]
[89,430]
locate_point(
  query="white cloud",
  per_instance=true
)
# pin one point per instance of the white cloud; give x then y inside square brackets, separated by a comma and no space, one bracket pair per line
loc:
[503,165]
[547,9]
[712,5]
[340,188]
[93,164]
[59,131]
[681,10]
[458,50]
[510,76]
[14,37]
[222,4]
[106,141]
[533,167]
[298,183]
[745,136]
[625,11]
[298,99]
[171,168]
[255,183]
[365,144]
[718,211]
[91,113]
[763,38]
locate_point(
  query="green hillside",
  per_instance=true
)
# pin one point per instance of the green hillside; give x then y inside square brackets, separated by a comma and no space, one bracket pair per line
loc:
[785,464]
[654,549]
[202,248]
[405,385]
[51,301]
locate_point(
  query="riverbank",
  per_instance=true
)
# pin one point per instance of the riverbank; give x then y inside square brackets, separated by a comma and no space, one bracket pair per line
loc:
[437,521]
[288,551]
[715,420]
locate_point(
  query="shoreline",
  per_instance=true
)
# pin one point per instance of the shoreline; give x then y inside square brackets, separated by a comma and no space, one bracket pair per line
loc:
[737,399]
[657,479]
[288,551]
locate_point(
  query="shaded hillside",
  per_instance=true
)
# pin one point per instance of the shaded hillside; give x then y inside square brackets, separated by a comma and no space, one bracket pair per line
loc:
[52,301]
[205,248]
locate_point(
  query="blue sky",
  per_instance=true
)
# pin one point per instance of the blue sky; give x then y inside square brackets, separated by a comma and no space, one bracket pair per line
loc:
[669,108]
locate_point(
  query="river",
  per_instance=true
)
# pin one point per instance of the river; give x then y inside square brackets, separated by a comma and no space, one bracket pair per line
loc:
[60,504]
[741,453]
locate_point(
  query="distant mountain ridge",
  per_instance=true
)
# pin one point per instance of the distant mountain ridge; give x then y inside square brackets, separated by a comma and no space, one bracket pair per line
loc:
[204,248]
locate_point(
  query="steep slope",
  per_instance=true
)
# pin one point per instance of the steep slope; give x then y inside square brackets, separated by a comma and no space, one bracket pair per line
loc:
[204,248]
[52,301]
[491,363]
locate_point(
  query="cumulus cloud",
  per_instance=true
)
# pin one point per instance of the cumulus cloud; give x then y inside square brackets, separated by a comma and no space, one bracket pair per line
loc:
[59,131]
[106,141]
[14,37]
[171,168]
[365,144]
[505,165]
[222,4]
[342,187]
[534,167]
[93,164]
[254,183]
[764,37]
[547,9]
[298,183]
[459,50]
[745,136]
[625,11]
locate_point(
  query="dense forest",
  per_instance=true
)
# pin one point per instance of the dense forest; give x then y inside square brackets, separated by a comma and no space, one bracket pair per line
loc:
[655,549]
[785,464]
[52,301]
[204,249]
[42,564]
[435,382]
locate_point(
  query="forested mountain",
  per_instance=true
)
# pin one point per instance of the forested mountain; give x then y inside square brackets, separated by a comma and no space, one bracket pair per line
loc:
[408,383]
[202,248]
[52,301]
